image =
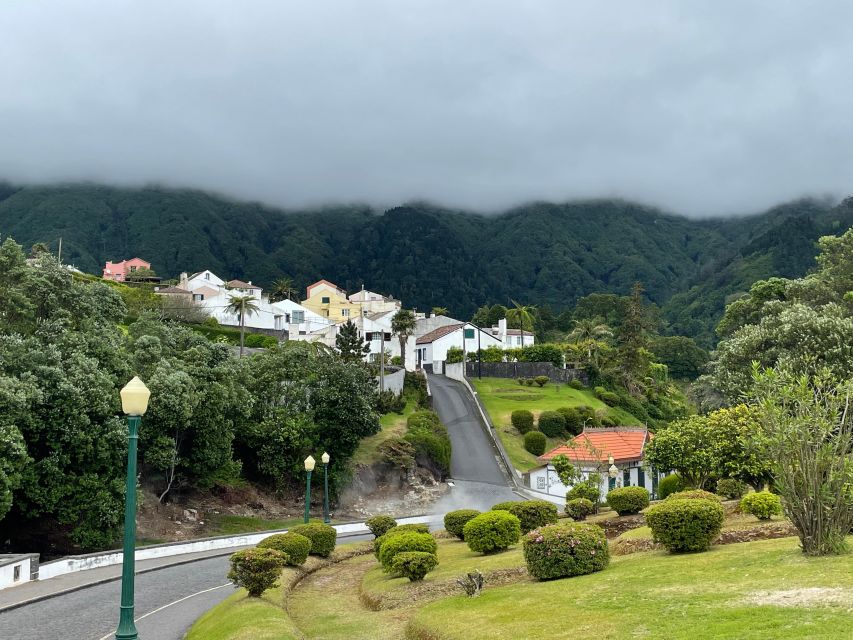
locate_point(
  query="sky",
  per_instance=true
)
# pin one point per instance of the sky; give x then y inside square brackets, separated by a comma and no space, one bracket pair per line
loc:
[701,108]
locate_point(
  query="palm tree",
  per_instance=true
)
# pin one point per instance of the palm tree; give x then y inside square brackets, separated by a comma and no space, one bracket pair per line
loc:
[523,315]
[403,324]
[282,289]
[589,330]
[439,311]
[242,306]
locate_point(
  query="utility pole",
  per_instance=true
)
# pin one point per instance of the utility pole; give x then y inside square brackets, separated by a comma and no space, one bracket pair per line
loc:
[479,356]
[59,253]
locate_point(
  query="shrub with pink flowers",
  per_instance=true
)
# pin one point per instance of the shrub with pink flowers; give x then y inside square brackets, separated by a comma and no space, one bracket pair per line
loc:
[564,550]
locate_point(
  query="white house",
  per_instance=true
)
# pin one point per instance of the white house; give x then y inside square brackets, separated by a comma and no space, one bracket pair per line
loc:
[431,348]
[595,451]
[372,302]
[375,328]
[512,338]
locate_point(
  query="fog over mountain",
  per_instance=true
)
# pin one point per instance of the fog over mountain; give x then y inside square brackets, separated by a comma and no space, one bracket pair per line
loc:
[719,108]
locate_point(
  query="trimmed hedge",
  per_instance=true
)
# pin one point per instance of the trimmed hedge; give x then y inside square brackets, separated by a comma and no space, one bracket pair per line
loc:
[256,570]
[762,504]
[552,424]
[380,525]
[530,513]
[695,494]
[564,550]
[393,531]
[579,508]
[685,524]
[413,565]
[522,420]
[454,521]
[492,531]
[295,546]
[541,380]
[628,500]
[731,488]
[408,541]
[576,384]
[322,536]
[670,484]
[535,442]
[574,421]
[590,491]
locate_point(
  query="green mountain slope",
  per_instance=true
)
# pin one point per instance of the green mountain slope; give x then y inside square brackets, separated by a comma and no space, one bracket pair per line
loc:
[540,253]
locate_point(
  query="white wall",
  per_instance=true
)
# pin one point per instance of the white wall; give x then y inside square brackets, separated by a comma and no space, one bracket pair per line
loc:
[455,371]
[7,572]
[546,479]
[395,381]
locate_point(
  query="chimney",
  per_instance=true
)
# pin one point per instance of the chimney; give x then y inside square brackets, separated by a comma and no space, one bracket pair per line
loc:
[183,280]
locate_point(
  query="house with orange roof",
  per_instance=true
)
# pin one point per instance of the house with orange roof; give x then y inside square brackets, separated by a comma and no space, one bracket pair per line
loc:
[615,453]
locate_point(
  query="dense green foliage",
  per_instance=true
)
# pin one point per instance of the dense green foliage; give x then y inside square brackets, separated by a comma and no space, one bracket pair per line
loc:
[579,508]
[429,437]
[628,500]
[730,488]
[492,531]
[454,521]
[695,494]
[349,344]
[585,489]
[322,536]
[380,525]
[256,570]
[552,424]
[530,513]
[535,442]
[564,550]
[670,484]
[762,504]
[406,541]
[398,530]
[685,525]
[293,545]
[522,420]
[413,565]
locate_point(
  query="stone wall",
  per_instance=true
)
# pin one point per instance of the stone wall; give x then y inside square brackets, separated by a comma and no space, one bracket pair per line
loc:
[526,370]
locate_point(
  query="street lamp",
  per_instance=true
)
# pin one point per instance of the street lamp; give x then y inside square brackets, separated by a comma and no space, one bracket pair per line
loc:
[309,467]
[134,402]
[325,458]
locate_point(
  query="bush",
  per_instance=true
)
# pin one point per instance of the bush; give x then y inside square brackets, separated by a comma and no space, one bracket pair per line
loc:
[762,504]
[393,531]
[396,361]
[520,381]
[413,565]
[322,537]
[574,422]
[579,508]
[454,355]
[530,513]
[408,541]
[296,547]
[454,521]
[522,420]
[211,322]
[608,421]
[684,524]
[552,424]
[492,531]
[535,442]
[670,484]
[589,418]
[429,438]
[607,397]
[397,452]
[731,488]
[588,490]
[694,494]
[256,570]
[576,384]
[528,382]
[541,380]
[563,550]
[380,525]
[628,500]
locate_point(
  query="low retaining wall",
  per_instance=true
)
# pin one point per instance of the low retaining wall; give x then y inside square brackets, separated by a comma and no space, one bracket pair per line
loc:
[18,568]
[455,371]
[525,370]
[394,381]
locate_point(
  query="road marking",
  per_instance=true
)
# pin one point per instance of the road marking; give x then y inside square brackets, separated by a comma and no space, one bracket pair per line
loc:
[166,606]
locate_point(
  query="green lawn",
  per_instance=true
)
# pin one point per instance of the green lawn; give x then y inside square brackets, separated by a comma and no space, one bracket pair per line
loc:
[243,618]
[393,425]
[755,590]
[502,396]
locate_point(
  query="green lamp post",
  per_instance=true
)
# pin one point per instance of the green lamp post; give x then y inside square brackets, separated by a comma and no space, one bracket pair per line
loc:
[325,458]
[309,467]
[134,402]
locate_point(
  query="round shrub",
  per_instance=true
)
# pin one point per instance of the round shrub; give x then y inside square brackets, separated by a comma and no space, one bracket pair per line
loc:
[522,420]
[576,384]
[552,424]
[530,513]
[520,381]
[296,547]
[393,531]
[579,508]
[322,537]
[730,488]
[413,565]
[685,525]
[588,490]
[528,382]
[454,521]
[563,550]
[574,422]
[609,421]
[409,541]
[628,500]
[589,418]
[379,525]
[256,570]
[541,380]
[492,531]
[535,442]
[670,484]
[762,504]
[695,494]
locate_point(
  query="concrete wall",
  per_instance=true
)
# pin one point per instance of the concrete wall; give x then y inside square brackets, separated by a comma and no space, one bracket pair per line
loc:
[25,563]
[455,371]
[526,370]
[394,381]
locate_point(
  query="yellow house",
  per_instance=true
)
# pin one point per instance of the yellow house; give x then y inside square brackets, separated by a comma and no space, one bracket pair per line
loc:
[330,301]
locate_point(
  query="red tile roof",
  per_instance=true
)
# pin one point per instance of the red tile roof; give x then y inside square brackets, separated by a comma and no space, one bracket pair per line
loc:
[239,284]
[435,334]
[597,445]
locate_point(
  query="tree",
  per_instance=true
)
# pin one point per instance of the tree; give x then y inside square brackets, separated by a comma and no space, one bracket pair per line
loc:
[140,274]
[242,306]
[684,446]
[684,358]
[349,344]
[739,445]
[282,289]
[38,248]
[633,340]
[403,324]
[522,316]
[589,331]
[439,311]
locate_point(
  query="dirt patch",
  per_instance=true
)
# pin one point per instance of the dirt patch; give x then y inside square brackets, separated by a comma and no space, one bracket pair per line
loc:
[767,531]
[614,527]
[809,597]
[382,488]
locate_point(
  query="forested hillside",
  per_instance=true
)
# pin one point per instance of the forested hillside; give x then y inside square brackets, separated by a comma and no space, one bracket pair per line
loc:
[541,253]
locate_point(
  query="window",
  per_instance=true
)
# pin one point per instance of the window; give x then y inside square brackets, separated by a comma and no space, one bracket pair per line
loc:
[641,477]
[133,267]
[207,276]
[345,313]
[198,297]
[298,317]
[388,339]
[626,478]
[278,322]
[16,576]
[519,341]
[324,300]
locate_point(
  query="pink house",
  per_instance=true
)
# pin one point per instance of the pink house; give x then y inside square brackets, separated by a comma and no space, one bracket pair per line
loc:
[118,270]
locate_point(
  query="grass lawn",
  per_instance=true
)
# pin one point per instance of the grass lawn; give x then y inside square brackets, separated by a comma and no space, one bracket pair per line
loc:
[502,396]
[393,425]
[243,618]
[755,590]
[227,525]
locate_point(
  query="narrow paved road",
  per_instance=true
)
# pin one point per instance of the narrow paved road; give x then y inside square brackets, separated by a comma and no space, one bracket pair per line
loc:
[474,465]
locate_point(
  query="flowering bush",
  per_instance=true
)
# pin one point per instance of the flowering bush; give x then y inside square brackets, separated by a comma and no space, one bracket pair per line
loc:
[562,550]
